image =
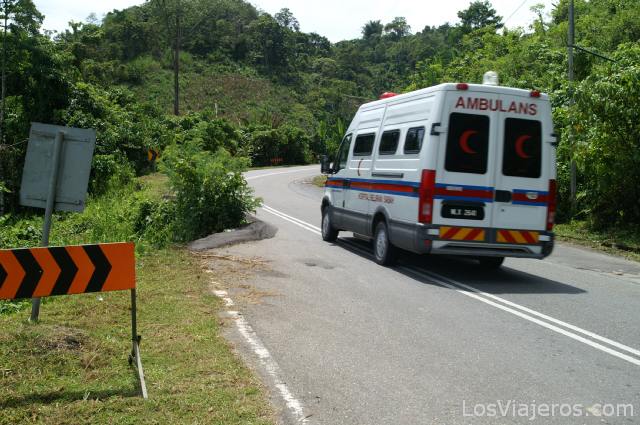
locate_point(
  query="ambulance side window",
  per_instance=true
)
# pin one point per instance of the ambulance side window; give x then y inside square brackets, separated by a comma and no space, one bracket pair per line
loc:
[389,142]
[343,152]
[413,141]
[364,144]
[467,143]
[522,154]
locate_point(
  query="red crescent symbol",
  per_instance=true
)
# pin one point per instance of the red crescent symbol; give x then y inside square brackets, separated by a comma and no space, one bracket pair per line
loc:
[520,146]
[464,141]
[359,164]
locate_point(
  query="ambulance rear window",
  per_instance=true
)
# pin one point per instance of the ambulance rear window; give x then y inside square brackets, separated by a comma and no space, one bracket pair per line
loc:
[522,155]
[364,144]
[467,143]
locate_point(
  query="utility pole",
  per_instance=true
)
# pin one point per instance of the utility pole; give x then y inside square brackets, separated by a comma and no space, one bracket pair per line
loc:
[571,43]
[176,65]
[3,92]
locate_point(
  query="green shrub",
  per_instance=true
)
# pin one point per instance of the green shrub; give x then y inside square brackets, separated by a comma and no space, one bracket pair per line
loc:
[153,221]
[277,146]
[110,171]
[607,141]
[211,194]
[212,133]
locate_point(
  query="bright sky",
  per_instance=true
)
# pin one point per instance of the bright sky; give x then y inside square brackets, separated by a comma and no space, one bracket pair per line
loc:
[335,19]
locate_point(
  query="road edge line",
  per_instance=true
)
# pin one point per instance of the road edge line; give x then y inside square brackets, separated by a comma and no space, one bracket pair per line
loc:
[268,362]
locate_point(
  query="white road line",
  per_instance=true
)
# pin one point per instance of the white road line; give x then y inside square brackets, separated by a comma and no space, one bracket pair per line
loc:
[541,315]
[304,223]
[464,289]
[290,219]
[480,295]
[474,294]
[297,170]
[269,364]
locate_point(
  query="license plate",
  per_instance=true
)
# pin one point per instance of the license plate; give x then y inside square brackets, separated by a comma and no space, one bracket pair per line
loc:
[464,212]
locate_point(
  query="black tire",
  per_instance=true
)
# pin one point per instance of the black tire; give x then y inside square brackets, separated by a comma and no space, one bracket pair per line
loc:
[384,253]
[329,233]
[491,263]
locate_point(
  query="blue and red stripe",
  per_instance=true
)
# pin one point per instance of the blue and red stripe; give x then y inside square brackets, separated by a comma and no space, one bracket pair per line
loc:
[460,192]
[535,198]
[444,191]
[389,187]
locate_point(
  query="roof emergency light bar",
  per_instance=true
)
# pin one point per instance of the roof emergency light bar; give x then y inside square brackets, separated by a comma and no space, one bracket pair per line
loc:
[490,78]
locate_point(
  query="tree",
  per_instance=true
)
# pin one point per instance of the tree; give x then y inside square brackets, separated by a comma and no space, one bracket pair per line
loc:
[5,12]
[269,44]
[398,28]
[480,14]
[34,86]
[607,140]
[372,30]
[286,19]
[539,25]
[172,14]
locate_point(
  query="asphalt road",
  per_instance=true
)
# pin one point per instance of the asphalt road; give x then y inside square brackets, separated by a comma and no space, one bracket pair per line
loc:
[434,340]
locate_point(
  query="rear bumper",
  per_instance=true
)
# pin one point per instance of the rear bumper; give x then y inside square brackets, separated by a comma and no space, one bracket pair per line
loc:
[428,239]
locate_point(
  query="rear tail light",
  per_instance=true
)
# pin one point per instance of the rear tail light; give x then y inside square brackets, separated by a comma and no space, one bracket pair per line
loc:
[551,209]
[535,93]
[426,193]
[462,86]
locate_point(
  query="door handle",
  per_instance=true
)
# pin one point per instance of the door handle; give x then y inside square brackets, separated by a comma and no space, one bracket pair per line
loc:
[502,196]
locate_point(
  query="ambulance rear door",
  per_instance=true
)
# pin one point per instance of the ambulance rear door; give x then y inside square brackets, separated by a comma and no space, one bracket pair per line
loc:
[463,200]
[522,171]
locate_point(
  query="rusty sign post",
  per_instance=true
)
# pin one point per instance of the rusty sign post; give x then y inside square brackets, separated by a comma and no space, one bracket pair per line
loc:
[56,175]
[68,270]
[48,212]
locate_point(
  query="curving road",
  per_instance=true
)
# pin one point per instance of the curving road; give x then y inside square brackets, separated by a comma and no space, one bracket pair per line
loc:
[435,340]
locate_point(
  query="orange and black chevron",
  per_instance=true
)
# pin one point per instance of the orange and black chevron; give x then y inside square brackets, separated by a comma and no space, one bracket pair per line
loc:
[42,272]
[462,233]
[518,236]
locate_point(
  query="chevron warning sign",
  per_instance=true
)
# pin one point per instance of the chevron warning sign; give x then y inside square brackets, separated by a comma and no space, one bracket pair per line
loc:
[462,233]
[152,155]
[518,236]
[42,272]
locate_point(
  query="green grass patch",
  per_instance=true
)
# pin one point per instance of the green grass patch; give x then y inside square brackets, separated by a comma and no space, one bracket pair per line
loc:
[72,366]
[319,180]
[625,242]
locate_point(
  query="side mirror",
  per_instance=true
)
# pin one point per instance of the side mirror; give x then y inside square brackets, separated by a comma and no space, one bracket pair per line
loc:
[325,165]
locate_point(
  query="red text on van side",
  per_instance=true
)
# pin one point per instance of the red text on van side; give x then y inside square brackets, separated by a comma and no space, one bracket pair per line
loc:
[494,105]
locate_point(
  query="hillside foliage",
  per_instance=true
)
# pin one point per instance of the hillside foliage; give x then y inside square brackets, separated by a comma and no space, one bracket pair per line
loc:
[256,87]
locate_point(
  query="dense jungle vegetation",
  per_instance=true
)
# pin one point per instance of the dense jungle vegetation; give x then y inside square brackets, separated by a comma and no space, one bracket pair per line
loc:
[254,90]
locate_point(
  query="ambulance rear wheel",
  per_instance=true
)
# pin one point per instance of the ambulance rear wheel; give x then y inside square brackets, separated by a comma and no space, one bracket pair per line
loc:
[329,233]
[383,251]
[491,263]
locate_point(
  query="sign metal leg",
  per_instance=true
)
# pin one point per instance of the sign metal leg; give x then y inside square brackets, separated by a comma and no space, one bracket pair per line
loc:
[134,357]
[48,213]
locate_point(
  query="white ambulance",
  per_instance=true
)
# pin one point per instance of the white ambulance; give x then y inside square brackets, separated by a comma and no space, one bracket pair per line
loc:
[456,169]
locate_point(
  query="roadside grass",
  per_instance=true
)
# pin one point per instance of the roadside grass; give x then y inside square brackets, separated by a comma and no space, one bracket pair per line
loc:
[108,218]
[155,184]
[72,366]
[319,180]
[624,242]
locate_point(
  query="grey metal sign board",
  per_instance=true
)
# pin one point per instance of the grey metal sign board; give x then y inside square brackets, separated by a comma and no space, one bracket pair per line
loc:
[73,171]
